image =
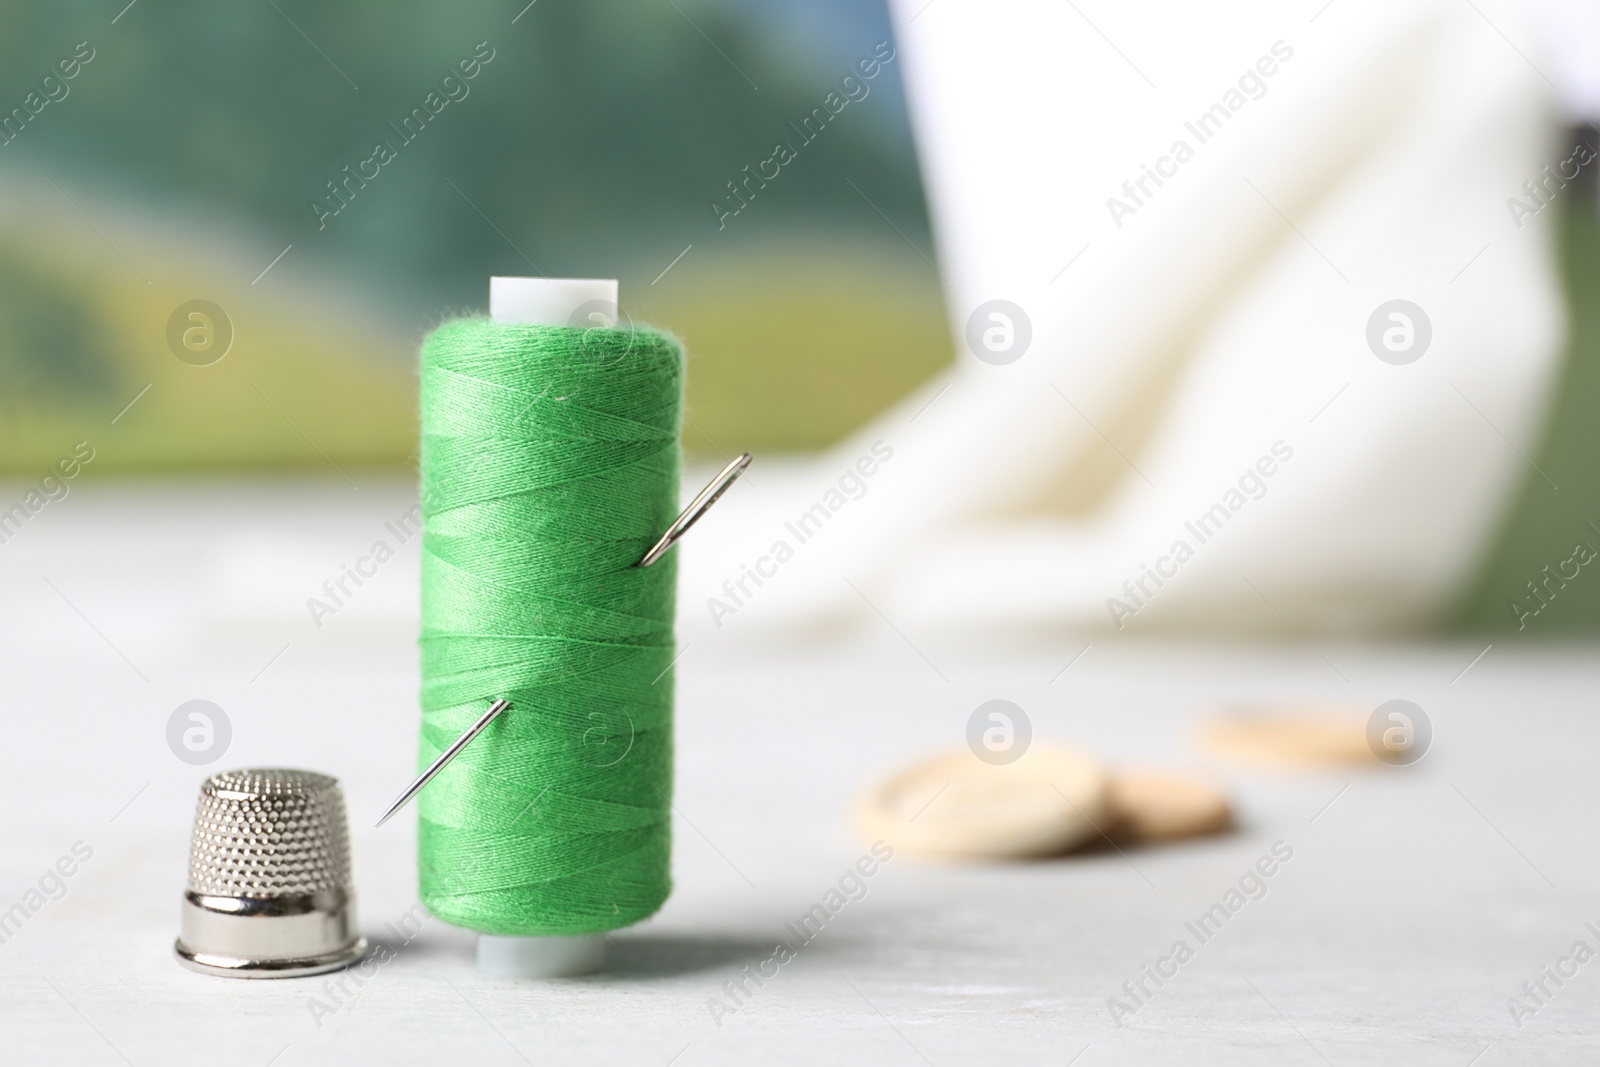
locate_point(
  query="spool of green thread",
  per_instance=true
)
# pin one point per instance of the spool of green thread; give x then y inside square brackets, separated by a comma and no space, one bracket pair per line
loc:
[549,467]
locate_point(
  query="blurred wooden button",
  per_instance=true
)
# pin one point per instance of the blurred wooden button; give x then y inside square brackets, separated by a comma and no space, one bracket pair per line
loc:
[1047,802]
[1290,735]
[1150,805]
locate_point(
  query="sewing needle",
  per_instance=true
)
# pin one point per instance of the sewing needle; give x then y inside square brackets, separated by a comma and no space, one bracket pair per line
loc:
[680,526]
[445,757]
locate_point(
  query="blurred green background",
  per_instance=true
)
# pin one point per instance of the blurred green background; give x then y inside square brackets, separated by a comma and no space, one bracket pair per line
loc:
[187,152]
[184,158]
[1547,519]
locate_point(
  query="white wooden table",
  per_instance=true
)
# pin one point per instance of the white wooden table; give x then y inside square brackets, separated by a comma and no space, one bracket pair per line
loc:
[1417,902]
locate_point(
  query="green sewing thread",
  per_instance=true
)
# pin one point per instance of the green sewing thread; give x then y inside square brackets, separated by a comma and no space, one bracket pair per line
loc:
[549,467]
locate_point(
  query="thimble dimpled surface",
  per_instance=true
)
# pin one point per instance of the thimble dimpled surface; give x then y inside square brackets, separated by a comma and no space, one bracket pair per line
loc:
[267,833]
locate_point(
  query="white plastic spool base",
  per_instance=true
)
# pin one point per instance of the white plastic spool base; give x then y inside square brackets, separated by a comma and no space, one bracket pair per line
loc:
[543,302]
[509,956]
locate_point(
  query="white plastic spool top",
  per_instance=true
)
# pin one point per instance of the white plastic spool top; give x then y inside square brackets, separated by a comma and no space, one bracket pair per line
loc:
[544,302]
[547,301]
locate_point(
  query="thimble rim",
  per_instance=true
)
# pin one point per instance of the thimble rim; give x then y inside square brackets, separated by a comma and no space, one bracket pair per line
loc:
[277,906]
[298,967]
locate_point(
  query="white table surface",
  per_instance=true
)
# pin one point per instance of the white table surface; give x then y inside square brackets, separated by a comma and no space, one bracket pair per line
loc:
[1417,902]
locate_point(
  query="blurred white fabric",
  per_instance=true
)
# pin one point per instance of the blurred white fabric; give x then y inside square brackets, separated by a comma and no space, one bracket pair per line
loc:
[1197,343]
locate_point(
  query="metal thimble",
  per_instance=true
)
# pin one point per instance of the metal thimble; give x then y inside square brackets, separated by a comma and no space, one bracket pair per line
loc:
[269,892]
